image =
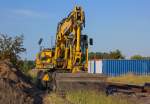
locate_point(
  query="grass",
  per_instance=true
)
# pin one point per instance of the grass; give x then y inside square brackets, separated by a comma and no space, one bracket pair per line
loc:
[53,98]
[33,75]
[93,97]
[85,97]
[130,79]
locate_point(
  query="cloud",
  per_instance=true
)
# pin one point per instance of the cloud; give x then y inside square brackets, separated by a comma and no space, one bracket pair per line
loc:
[29,13]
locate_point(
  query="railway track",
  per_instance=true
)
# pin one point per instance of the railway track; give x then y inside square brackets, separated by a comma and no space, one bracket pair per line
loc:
[85,81]
[65,82]
[112,88]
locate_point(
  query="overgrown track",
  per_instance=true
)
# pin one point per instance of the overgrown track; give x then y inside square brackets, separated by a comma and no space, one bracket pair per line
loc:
[127,88]
[84,81]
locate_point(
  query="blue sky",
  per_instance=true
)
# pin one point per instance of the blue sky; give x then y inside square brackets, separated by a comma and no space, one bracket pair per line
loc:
[113,24]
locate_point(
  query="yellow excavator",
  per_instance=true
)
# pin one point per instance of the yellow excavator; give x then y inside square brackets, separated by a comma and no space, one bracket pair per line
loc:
[69,57]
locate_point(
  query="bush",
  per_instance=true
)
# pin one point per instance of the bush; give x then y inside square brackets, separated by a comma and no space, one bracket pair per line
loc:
[11,48]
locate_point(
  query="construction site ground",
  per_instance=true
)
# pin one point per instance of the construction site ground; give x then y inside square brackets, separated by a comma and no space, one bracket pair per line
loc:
[16,88]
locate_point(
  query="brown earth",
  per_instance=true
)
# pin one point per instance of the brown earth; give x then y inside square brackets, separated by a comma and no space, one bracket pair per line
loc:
[15,87]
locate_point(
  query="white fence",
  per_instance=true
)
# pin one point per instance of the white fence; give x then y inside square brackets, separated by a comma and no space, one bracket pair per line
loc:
[95,66]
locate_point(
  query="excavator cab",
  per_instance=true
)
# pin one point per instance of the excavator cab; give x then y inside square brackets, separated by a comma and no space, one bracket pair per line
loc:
[44,59]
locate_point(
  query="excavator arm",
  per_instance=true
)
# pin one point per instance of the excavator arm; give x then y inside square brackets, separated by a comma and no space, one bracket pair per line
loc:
[68,41]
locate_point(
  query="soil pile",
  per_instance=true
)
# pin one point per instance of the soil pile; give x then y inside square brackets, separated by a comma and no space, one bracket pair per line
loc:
[15,87]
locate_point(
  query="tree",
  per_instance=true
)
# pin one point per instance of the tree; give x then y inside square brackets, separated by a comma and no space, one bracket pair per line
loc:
[11,48]
[139,57]
[136,57]
[104,55]
[116,54]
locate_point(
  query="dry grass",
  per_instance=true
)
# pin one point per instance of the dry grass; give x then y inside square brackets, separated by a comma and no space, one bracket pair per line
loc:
[85,97]
[33,75]
[92,97]
[130,79]
[53,98]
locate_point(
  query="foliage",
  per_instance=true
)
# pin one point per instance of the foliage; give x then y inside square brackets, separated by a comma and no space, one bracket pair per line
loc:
[111,55]
[32,74]
[27,65]
[11,48]
[136,57]
[139,57]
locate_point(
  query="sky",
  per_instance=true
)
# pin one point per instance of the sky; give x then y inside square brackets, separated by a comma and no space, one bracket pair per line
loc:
[113,24]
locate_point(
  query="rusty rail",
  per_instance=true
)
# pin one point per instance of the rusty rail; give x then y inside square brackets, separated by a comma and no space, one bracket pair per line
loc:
[112,88]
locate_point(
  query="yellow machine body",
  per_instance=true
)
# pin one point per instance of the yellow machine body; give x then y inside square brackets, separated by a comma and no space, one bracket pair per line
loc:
[71,47]
[65,66]
[68,53]
[44,59]
[46,77]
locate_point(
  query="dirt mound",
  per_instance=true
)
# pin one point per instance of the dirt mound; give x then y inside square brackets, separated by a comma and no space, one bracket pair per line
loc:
[15,87]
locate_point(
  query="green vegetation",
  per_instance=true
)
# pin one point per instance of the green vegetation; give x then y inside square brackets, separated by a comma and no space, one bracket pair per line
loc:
[139,57]
[130,79]
[110,55]
[85,97]
[33,75]
[27,65]
[11,48]
[117,54]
